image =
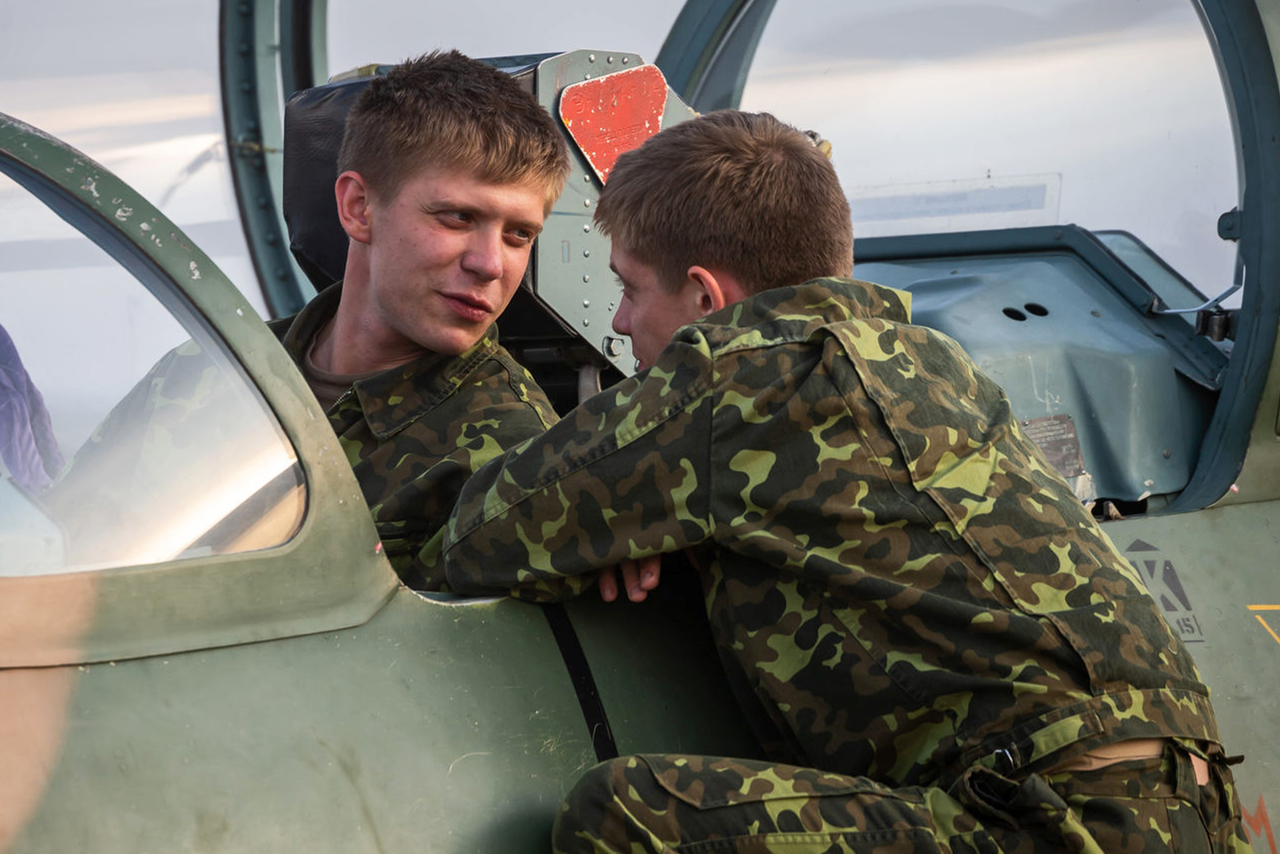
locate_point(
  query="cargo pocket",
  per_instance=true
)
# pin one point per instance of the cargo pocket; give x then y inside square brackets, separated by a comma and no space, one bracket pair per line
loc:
[748,807]
[708,782]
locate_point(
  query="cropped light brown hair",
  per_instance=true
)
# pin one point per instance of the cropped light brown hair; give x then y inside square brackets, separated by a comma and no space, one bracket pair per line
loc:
[742,192]
[445,110]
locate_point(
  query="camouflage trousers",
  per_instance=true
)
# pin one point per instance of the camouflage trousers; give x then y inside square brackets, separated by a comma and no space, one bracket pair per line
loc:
[714,805]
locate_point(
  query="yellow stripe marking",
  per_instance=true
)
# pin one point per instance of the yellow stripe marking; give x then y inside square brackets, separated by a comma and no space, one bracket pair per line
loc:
[1270,631]
[1264,607]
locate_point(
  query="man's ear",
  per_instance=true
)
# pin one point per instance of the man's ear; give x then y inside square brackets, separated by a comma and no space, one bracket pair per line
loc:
[712,291]
[352,196]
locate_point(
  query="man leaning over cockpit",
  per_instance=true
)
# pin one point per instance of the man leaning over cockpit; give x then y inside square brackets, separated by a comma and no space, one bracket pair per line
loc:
[955,655]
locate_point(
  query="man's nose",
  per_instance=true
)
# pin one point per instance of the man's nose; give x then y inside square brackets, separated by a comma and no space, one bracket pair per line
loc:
[484,256]
[622,319]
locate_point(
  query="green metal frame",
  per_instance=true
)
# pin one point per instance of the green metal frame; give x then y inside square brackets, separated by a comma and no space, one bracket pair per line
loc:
[1245,419]
[252,79]
[304,56]
[708,53]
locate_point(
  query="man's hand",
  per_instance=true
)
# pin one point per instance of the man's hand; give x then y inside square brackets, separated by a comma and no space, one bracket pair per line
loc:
[638,577]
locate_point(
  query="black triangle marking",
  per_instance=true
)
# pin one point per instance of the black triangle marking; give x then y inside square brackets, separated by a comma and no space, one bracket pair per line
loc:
[1141,546]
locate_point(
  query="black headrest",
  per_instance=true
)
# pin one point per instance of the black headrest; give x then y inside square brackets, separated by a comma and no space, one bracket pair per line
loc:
[313,123]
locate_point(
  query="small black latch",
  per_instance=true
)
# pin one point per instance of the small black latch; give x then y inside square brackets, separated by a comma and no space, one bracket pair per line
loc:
[1216,324]
[1229,225]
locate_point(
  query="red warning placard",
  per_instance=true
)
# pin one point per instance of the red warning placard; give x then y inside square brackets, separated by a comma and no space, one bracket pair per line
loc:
[613,114]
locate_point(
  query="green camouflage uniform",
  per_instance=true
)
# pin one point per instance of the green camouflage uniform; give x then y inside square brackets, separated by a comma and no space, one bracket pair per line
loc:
[894,576]
[415,433]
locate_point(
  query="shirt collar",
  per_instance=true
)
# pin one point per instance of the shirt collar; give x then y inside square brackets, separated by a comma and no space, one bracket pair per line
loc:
[307,322]
[778,315]
[397,397]
[833,300]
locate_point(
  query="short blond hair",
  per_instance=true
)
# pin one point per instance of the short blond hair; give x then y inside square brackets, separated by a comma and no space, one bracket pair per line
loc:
[738,191]
[445,110]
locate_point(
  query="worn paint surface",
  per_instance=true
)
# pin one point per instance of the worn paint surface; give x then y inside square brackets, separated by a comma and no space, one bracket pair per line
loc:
[610,115]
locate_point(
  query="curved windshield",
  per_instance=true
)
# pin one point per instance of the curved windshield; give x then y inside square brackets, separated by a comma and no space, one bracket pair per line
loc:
[954,115]
[388,31]
[125,437]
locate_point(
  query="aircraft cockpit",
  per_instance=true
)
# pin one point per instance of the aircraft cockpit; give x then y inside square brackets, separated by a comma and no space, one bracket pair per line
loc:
[1082,194]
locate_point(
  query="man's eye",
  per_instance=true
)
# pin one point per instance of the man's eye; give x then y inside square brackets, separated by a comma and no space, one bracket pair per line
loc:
[521,236]
[455,217]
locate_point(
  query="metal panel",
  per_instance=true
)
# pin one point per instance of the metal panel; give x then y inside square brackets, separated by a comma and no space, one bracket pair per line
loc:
[436,726]
[571,259]
[1064,347]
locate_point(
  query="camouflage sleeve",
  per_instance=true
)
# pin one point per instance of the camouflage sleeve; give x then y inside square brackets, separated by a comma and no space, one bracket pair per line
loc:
[625,475]
[412,522]
[417,480]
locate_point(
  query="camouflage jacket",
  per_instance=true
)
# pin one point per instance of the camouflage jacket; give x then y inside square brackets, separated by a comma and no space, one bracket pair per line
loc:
[415,433]
[902,581]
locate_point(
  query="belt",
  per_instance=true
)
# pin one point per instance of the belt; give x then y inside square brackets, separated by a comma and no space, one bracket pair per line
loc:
[1133,748]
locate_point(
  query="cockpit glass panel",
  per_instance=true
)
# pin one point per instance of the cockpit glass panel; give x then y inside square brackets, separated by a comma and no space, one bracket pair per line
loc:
[360,34]
[955,115]
[127,436]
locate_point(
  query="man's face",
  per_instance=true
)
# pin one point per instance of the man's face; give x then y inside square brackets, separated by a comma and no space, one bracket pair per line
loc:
[446,254]
[649,313]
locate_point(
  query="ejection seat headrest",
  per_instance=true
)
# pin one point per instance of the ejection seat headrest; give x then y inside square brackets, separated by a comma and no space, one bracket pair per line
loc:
[313,123]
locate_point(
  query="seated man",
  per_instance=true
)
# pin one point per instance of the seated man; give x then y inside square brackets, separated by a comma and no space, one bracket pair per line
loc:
[446,174]
[898,581]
